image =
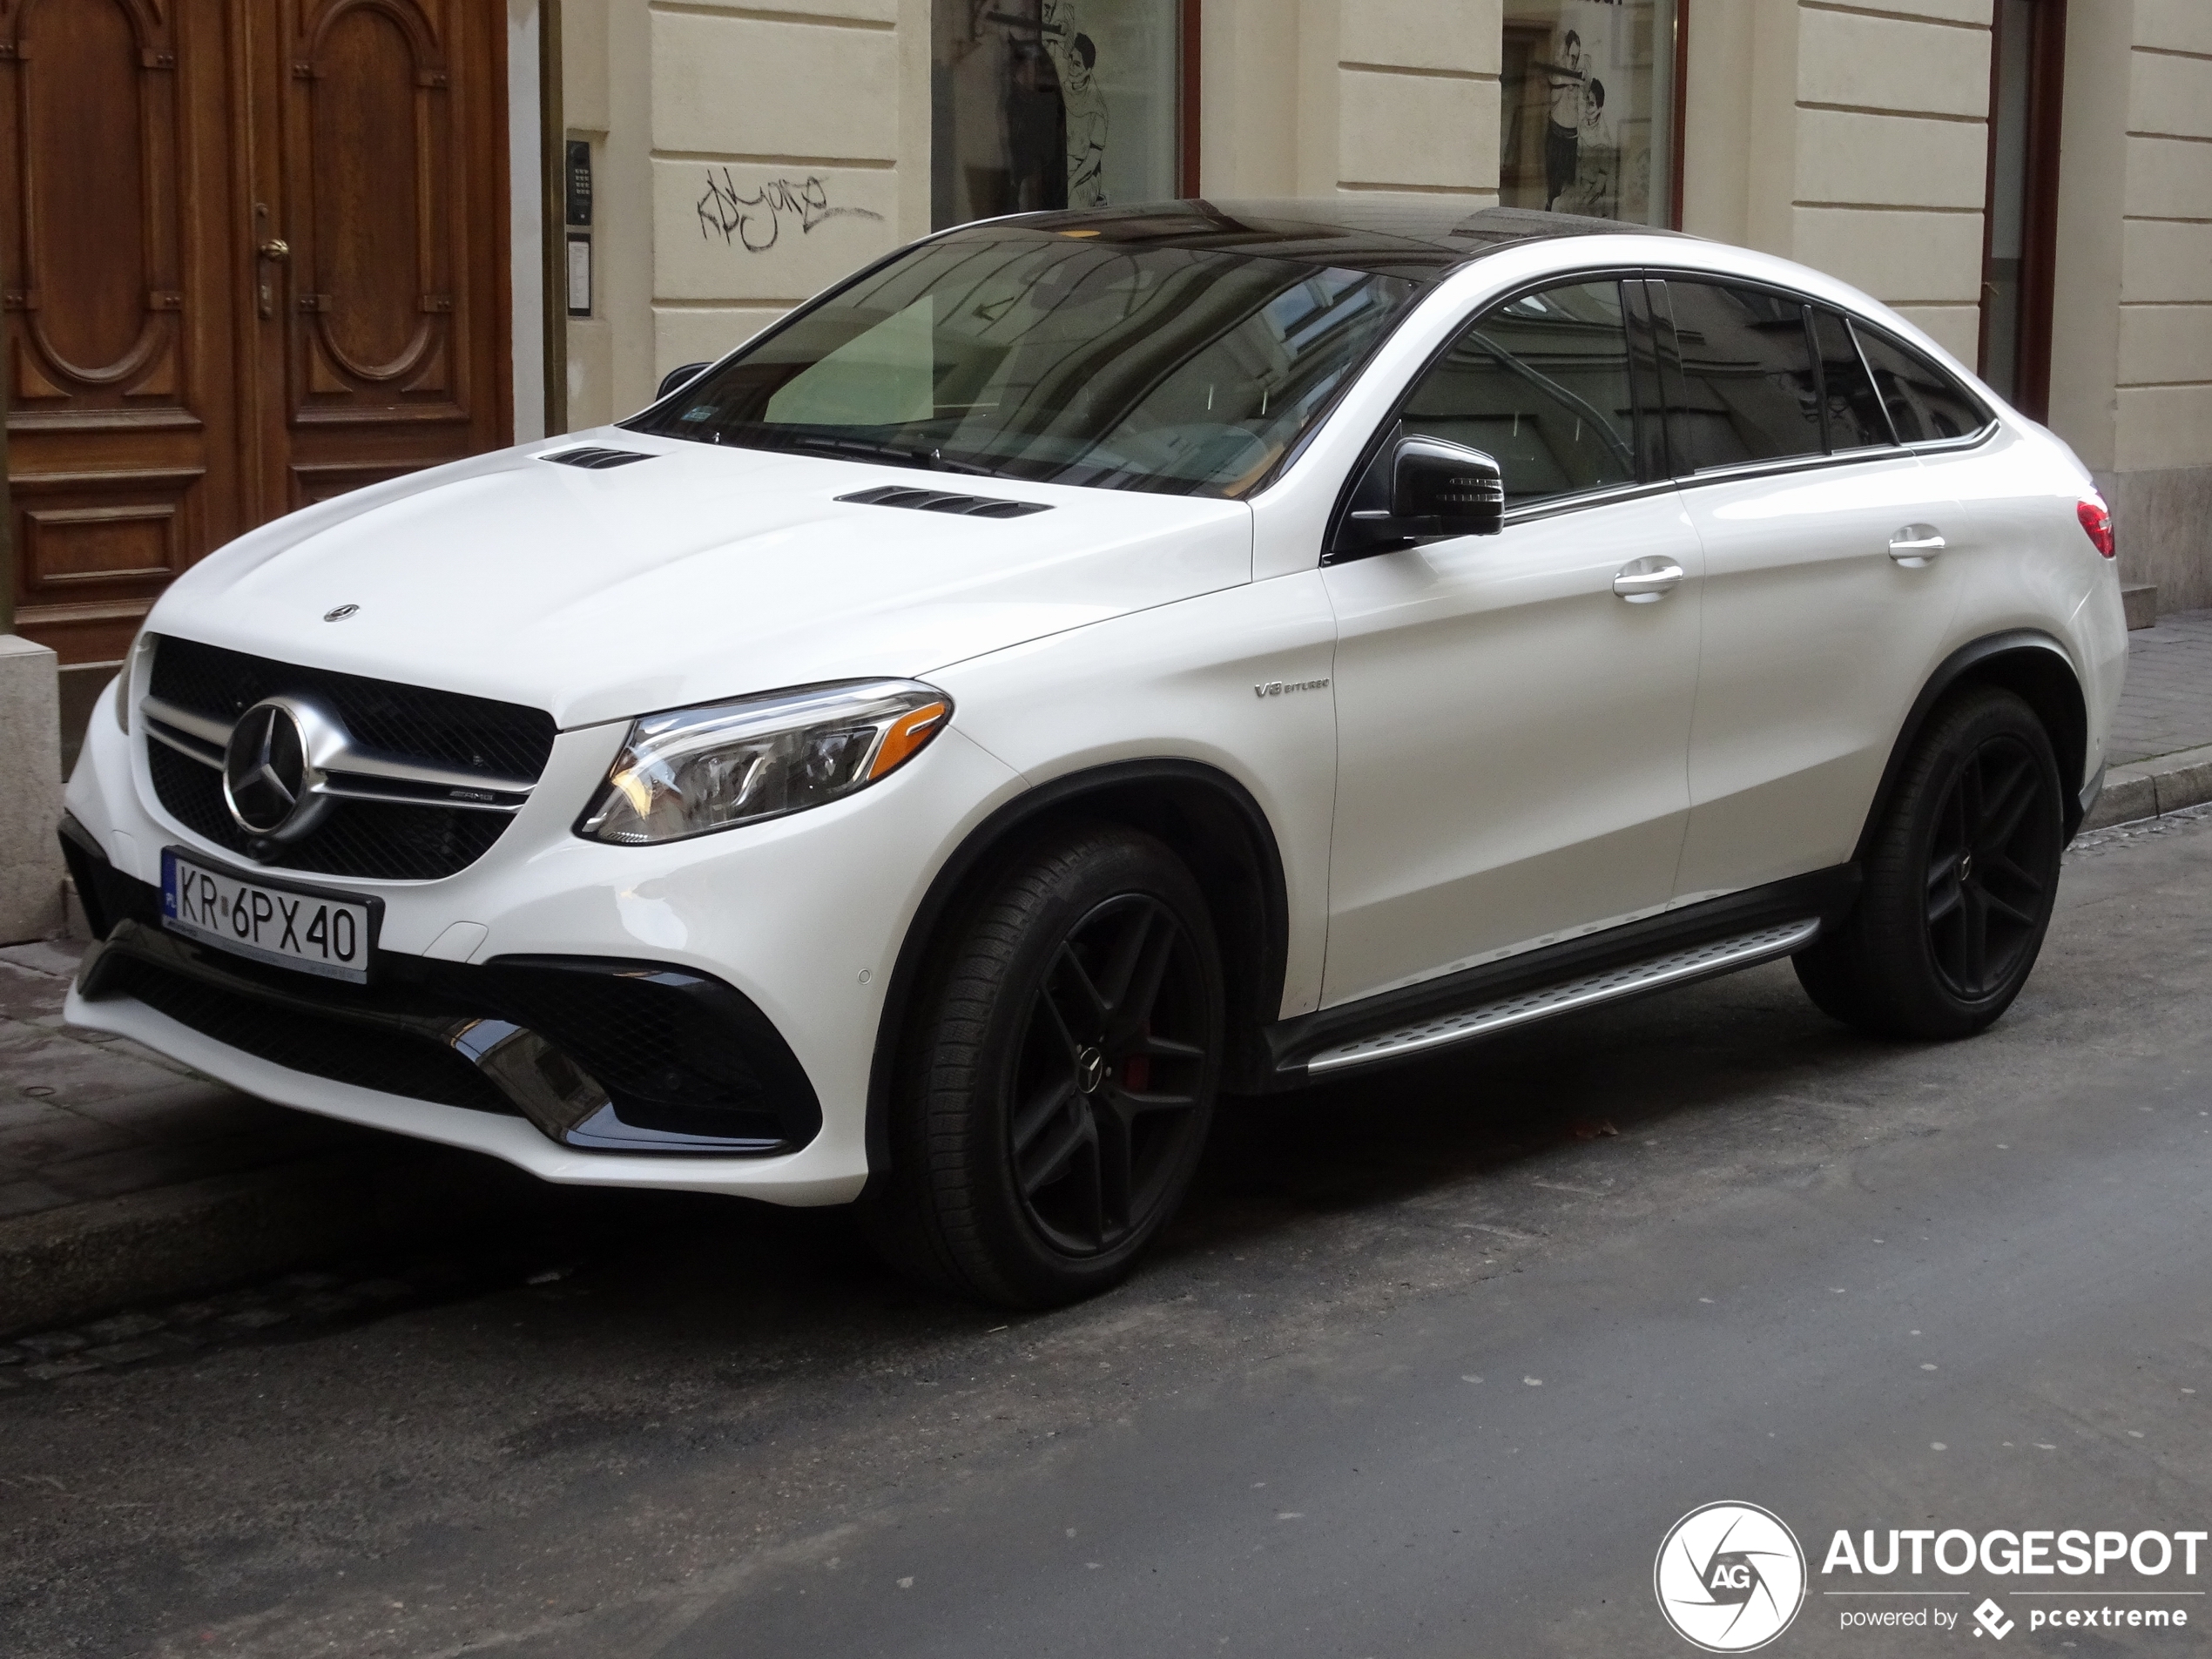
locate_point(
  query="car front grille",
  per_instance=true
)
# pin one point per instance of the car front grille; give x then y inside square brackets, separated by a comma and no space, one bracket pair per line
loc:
[360,839]
[471,737]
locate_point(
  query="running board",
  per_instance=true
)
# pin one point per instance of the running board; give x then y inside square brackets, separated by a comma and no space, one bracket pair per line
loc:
[1674,968]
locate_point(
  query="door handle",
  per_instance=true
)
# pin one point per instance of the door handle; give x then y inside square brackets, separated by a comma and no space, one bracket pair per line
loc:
[1914,545]
[275,248]
[1647,581]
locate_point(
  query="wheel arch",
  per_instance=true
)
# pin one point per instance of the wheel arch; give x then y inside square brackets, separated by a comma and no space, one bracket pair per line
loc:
[2025,661]
[1208,819]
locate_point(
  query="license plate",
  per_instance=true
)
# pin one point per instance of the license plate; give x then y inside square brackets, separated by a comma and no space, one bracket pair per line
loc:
[272,921]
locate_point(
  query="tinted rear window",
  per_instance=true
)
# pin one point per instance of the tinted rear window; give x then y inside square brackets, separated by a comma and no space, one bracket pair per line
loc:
[1925,404]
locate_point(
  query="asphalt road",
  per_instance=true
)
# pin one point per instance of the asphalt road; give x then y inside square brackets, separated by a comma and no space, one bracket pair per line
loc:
[1429,1368]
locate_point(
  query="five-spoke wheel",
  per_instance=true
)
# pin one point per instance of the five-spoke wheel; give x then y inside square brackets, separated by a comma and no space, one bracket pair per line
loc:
[1958,880]
[1990,865]
[1107,1091]
[1062,1077]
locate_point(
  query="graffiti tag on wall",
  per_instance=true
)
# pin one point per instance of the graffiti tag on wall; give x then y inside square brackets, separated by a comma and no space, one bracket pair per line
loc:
[753,221]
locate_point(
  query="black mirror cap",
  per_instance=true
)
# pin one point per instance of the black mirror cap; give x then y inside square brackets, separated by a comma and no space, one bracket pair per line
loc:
[1461,491]
[676,379]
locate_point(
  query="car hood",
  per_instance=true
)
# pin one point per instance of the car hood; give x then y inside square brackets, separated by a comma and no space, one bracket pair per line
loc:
[701,572]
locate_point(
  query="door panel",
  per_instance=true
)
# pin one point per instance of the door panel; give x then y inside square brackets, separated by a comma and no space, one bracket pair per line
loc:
[1513,729]
[1816,642]
[123,423]
[1816,639]
[1510,737]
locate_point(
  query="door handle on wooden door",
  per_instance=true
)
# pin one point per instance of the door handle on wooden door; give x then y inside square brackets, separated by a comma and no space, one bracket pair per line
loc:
[1914,545]
[1647,581]
[275,251]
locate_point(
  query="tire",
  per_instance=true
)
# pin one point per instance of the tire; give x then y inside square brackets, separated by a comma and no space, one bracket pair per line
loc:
[1060,1076]
[1958,885]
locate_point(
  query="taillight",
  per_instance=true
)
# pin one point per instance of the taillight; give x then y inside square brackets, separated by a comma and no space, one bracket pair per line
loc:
[2096,524]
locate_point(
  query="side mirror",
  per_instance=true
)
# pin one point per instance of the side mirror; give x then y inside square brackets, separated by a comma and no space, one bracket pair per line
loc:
[676,379]
[1459,491]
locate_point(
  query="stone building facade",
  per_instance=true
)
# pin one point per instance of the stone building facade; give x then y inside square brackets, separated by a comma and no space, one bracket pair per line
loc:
[744,156]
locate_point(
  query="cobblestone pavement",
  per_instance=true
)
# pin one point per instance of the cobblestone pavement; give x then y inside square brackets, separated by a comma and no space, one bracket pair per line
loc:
[2168,704]
[84,1115]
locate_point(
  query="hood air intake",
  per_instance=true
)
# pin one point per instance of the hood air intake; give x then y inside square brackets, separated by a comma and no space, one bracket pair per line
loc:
[596,459]
[940,501]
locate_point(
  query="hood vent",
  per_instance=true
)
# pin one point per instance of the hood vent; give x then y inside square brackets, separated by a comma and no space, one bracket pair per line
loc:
[598,460]
[940,501]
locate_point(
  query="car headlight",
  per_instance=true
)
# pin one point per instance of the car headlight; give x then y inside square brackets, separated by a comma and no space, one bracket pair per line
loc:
[691,771]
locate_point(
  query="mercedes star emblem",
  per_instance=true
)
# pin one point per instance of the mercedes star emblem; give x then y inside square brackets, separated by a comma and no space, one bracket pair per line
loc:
[339,613]
[265,768]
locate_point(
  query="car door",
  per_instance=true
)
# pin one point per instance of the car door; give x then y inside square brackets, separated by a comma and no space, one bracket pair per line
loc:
[1512,730]
[1825,596]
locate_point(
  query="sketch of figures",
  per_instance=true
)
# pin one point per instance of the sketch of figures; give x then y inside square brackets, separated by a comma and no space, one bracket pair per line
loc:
[1596,189]
[1074,57]
[1038,105]
[1563,132]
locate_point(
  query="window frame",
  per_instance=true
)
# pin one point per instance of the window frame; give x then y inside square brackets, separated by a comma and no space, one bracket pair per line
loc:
[1387,428]
[1670,361]
[1981,434]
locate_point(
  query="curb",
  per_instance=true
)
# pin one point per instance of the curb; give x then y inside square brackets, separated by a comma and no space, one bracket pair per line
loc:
[2152,788]
[58,1266]
[63,1266]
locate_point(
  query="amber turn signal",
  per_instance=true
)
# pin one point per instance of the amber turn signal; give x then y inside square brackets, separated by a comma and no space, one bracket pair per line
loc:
[906,737]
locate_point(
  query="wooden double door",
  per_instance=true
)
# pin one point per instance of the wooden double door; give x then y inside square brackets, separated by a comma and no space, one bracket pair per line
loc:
[252,254]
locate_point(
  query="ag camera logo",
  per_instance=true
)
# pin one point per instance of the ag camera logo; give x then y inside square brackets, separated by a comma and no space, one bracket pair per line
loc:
[1729,1577]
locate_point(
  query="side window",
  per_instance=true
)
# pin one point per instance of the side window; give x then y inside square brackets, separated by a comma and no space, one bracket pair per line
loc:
[1925,404]
[1746,391]
[1540,384]
[1855,416]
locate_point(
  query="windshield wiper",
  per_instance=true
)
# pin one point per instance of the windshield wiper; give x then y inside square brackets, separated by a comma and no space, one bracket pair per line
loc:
[929,459]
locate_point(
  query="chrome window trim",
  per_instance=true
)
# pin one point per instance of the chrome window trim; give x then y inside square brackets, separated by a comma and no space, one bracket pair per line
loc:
[1552,506]
[1792,463]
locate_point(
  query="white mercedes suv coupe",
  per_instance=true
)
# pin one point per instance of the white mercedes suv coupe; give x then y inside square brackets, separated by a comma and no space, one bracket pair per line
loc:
[1088,662]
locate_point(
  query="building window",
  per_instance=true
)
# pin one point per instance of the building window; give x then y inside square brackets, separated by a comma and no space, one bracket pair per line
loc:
[1589,108]
[1043,103]
[2020,251]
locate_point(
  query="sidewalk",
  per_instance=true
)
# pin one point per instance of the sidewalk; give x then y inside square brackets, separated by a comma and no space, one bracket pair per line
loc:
[2161,757]
[123,1178]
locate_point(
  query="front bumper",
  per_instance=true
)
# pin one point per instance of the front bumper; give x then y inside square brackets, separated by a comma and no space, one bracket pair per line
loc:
[785,932]
[598,1055]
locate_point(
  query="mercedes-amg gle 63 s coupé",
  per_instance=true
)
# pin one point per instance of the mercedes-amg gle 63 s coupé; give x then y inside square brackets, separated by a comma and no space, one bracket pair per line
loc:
[1090,662]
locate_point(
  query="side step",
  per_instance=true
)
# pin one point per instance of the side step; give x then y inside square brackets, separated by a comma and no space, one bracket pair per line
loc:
[1676,967]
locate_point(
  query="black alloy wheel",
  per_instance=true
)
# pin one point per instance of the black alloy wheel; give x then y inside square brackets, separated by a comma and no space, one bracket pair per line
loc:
[1960,877]
[1106,1093]
[1058,1075]
[1991,864]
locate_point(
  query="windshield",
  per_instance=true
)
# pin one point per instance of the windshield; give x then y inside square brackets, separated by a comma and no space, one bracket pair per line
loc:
[1047,355]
